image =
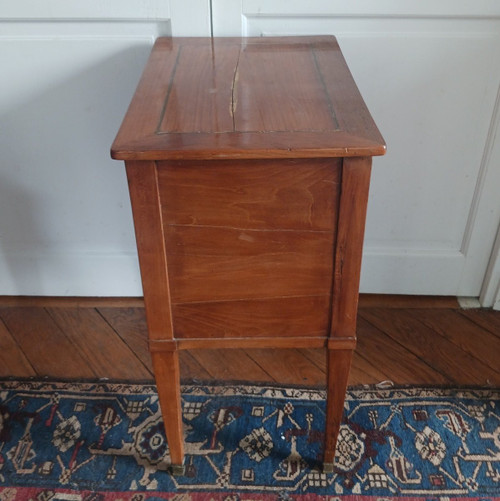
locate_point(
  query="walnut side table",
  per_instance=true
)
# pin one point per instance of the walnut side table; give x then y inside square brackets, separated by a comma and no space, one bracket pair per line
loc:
[248,162]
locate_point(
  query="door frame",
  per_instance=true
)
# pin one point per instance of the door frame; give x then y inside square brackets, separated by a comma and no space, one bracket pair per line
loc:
[490,294]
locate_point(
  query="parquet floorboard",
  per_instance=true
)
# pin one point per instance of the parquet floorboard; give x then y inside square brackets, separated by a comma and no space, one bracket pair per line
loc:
[47,348]
[470,337]
[405,340]
[397,363]
[487,319]
[130,325]
[408,329]
[12,358]
[105,352]
[288,366]
[235,364]
[363,371]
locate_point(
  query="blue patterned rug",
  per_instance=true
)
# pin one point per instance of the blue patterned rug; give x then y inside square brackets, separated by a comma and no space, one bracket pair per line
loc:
[103,441]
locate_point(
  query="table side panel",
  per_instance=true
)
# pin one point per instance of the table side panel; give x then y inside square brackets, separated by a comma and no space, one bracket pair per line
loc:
[257,318]
[213,263]
[250,246]
[274,194]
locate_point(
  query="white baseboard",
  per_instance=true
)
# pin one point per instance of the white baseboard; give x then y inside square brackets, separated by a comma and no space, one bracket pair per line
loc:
[416,272]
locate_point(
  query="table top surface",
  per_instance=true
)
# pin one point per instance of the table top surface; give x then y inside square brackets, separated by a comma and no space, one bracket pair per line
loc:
[276,97]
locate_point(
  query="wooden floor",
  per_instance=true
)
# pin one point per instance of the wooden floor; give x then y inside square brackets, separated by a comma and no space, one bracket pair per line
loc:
[400,339]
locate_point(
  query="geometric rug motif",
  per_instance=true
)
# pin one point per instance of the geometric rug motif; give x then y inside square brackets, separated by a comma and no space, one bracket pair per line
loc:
[100,441]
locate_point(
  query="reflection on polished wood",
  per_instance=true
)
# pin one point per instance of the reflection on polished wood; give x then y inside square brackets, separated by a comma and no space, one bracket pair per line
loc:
[247,98]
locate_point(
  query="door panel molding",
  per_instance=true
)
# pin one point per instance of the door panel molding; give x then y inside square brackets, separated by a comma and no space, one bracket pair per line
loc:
[430,230]
[66,225]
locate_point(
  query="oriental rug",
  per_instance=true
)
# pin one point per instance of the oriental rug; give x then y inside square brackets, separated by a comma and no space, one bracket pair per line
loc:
[105,441]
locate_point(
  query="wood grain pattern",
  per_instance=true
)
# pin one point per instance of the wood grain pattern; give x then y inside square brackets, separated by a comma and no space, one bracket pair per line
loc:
[364,369]
[217,264]
[241,342]
[351,111]
[143,186]
[279,88]
[206,72]
[348,254]
[365,301]
[45,345]
[300,121]
[98,343]
[167,373]
[12,358]
[482,344]
[248,145]
[289,366]
[374,360]
[401,302]
[443,355]
[387,355]
[232,365]
[144,111]
[487,319]
[349,245]
[271,317]
[130,325]
[338,368]
[290,195]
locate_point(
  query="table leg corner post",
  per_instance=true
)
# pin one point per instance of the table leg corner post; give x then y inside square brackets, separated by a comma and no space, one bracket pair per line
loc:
[339,363]
[167,373]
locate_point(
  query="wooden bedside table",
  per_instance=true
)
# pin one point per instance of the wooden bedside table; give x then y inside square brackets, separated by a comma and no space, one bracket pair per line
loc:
[248,162]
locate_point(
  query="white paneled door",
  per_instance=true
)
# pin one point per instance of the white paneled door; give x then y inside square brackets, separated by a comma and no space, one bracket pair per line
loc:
[430,73]
[69,70]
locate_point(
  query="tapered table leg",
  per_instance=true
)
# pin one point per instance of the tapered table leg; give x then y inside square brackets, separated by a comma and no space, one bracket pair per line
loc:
[166,369]
[339,363]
